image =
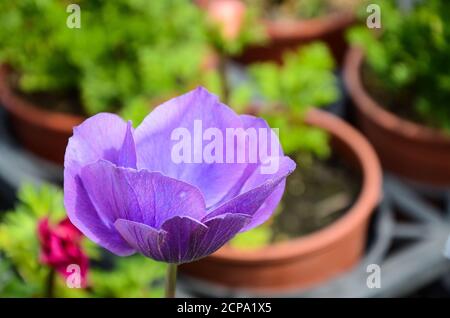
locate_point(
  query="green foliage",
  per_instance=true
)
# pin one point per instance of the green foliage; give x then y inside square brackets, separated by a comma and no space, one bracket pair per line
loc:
[311,8]
[125,49]
[251,32]
[295,136]
[134,276]
[411,56]
[22,275]
[255,238]
[10,284]
[18,231]
[305,80]
[304,9]
[136,110]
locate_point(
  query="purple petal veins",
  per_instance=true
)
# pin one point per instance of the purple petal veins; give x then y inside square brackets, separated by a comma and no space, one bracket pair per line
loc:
[124,191]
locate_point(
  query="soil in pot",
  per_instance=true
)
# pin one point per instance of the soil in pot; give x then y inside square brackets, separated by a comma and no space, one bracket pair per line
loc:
[316,195]
[41,122]
[398,102]
[67,102]
[389,119]
[314,258]
[61,102]
[291,23]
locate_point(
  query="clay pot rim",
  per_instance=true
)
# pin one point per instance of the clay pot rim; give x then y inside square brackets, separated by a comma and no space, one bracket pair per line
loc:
[54,120]
[373,110]
[30,112]
[325,238]
[286,29]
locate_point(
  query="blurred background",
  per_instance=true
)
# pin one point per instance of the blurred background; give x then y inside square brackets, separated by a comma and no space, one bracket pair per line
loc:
[359,91]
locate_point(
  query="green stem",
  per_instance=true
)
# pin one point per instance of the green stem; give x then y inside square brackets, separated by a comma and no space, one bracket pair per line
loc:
[224,78]
[171,280]
[50,284]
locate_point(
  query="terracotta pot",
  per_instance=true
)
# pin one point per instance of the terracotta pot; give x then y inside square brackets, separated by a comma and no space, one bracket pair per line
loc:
[408,149]
[315,258]
[43,132]
[284,35]
[46,133]
[289,35]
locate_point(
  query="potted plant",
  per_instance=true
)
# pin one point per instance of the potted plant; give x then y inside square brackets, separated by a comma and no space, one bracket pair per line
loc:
[321,227]
[38,245]
[399,86]
[291,23]
[125,55]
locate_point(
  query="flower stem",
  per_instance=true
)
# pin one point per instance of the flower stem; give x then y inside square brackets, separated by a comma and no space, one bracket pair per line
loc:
[50,284]
[171,280]
[223,78]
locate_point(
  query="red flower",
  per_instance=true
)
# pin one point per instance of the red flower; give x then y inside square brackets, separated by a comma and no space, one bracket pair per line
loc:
[60,247]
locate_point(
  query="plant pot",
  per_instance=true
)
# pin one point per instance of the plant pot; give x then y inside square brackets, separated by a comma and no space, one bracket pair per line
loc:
[410,150]
[317,257]
[289,35]
[285,35]
[46,133]
[43,132]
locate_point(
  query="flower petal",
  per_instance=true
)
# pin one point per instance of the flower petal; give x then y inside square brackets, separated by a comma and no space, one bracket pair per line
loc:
[155,145]
[181,239]
[253,178]
[140,196]
[127,153]
[188,240]
[171,244]
[253,169]
[103,136]
[85,217]
[143,238]
[257,200]
[221,229]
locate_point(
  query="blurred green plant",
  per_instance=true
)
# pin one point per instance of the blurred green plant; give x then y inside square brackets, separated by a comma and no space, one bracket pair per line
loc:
[286,93]
[305,80]
[22,275]
[250,31]
[126,51]
[255,238]
[410,56]
[304,9]
[135,276]
[231,27]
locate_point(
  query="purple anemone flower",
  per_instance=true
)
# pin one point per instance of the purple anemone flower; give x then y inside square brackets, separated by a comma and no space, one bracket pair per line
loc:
[124,190]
